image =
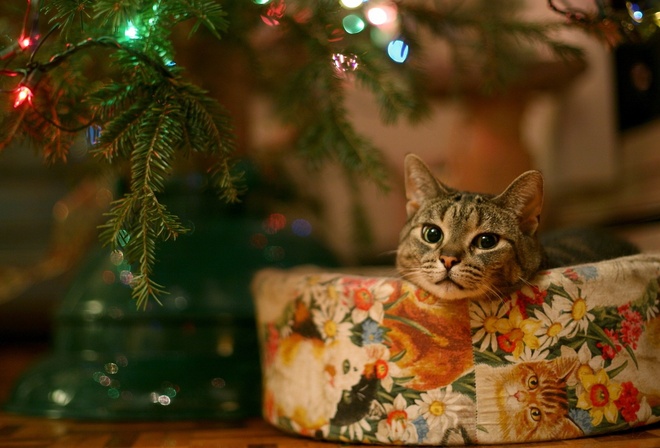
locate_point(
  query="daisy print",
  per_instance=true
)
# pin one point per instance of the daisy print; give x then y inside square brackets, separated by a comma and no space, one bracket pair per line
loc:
[484,316]
[312,289]
[330,320]
[528,355]
[579,311]
[440,408]
[553,325]
[356,431]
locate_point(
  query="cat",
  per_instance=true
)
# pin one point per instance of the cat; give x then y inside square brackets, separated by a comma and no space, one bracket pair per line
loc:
[314,383]
[463,245]
[525,402]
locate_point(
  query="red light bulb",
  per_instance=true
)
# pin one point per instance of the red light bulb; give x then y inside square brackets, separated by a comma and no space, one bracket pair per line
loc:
[23,94]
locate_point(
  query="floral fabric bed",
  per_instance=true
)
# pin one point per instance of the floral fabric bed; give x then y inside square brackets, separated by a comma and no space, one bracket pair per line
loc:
[374,359]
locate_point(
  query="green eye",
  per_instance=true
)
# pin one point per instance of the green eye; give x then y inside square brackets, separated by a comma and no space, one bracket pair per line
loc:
[485,241]
[346,366]
[431,234]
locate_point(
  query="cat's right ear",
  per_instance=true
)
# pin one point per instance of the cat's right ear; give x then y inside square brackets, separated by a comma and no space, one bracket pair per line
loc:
[420,184]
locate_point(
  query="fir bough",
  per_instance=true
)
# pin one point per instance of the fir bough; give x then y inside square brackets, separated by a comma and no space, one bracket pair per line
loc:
[110,65]
[147,112]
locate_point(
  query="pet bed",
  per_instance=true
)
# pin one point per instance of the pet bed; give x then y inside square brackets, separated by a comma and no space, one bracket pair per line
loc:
[372,358]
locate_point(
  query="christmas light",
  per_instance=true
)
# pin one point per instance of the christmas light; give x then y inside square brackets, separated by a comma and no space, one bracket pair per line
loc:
[381,14]
[635,12]
[24,42]
[350,4]
[131,31]
[353,24]
[301,227]
[275,11]
[397,50]
[345,63]
[23,94]
[93,134]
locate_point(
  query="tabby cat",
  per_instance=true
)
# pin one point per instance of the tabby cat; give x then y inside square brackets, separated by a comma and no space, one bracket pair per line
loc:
[462,245]
[525,402]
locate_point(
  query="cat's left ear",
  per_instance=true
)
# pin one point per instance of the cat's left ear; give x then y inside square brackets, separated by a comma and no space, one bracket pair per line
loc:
[525,197]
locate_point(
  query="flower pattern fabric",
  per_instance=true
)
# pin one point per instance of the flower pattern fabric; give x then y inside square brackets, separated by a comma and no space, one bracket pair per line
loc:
[382,361]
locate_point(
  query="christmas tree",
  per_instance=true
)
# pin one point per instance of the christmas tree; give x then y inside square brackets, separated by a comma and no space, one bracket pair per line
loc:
[108,69]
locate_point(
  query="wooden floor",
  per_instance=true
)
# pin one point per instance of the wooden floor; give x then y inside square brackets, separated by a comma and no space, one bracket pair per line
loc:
[30,432]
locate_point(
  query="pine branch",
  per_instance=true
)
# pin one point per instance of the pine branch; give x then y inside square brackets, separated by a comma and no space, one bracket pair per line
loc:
[489,35]
[116,140]
[150,116]
[395,99]
[207,13]
[163,118]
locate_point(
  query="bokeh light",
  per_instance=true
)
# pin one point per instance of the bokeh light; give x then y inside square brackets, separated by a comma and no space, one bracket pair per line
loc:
[274,223]
[301,227]
[353,24]
[350,4]
[345,63]
[93,134]
[23,94]
[131,31]
[258,241]
[635,11]
[397,50]
[25,42]
[274,12]
[381,14]
[274,253]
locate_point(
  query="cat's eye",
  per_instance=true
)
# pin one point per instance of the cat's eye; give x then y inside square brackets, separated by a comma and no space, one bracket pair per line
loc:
[346,366]
[532,382]
[431,234]
[535,413]
[485,241]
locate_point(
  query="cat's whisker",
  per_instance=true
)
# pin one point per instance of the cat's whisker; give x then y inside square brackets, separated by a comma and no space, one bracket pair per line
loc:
[409,272]
[494,293]
[389,252]
[524,281]
[486,245]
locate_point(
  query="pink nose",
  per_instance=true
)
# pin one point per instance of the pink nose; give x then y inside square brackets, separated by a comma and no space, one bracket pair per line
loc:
[449,261]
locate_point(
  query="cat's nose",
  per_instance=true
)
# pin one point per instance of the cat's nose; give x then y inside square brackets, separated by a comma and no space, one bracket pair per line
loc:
[449,261]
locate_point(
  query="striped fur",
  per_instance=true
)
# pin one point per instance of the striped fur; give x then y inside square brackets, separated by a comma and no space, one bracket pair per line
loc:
[526,401]
[456,267]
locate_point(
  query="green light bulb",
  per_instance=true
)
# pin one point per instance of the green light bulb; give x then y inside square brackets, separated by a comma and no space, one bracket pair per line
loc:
[131,31]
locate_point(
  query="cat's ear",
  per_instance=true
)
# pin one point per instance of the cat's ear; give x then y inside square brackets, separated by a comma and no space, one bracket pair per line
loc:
[420,184]
[566,366]
[525,197]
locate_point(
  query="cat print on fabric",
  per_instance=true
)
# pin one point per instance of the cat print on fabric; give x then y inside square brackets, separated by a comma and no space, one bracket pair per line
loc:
[462,245]
[526,402]
[298,365]
[350,358]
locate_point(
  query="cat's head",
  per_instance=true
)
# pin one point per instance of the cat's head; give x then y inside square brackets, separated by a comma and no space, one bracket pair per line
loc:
[462,245]
[532,402]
